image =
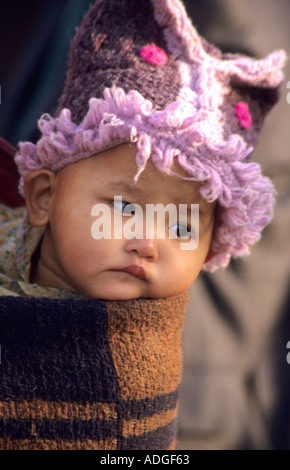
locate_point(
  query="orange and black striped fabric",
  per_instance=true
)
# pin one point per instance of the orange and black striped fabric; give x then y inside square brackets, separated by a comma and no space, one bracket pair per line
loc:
[84,374]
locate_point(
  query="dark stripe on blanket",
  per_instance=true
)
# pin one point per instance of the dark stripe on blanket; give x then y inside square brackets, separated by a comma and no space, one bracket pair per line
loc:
[148,406]
[58,350]
[54,429]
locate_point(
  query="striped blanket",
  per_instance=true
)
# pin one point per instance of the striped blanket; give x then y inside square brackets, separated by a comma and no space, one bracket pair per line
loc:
[84,374]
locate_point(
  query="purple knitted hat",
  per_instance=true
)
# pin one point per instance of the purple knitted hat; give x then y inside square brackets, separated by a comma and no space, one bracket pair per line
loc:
[139,72]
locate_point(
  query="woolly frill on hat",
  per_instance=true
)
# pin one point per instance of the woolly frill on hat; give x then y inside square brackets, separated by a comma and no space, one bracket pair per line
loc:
[139,72]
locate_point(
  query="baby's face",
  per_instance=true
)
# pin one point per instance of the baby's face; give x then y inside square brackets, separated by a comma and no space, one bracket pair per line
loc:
[120,267]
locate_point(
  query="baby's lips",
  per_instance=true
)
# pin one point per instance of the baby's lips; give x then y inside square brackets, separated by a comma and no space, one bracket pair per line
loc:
[135,270]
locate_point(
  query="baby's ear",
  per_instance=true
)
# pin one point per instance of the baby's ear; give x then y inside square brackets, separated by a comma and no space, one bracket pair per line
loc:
[38,188]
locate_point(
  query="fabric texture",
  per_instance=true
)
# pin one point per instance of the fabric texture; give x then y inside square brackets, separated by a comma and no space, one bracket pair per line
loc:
[139,72]
[19,241]
[92,375]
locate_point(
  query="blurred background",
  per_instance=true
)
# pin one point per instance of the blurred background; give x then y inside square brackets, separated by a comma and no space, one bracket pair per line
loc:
[235,388]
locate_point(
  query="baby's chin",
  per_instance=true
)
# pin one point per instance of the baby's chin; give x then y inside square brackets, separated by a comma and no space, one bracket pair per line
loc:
[126,287]
[114,295]
[123,296]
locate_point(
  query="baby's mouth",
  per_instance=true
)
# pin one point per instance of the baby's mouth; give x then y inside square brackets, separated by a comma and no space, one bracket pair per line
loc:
[135,270]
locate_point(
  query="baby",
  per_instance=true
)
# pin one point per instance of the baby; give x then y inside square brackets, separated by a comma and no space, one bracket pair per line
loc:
[150,115]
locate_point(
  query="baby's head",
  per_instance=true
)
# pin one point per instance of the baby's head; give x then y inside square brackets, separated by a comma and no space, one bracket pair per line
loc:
[151,114]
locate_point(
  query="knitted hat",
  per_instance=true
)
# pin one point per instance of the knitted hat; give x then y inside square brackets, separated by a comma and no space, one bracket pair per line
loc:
[139,72]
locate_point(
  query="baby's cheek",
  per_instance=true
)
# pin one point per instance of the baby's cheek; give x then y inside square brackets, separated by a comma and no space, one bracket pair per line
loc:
[191,264]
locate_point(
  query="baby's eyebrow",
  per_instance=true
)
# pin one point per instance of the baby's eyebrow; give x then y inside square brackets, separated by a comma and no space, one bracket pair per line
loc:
[130,188]
[121,185]
[124,187]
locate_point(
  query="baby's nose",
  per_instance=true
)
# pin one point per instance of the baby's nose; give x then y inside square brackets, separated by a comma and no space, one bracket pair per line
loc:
[144,247]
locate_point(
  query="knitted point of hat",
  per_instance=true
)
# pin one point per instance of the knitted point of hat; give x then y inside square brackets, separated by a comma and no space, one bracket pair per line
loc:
[106,52]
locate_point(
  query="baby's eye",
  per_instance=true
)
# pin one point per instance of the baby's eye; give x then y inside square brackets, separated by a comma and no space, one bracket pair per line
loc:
[126,208]
[181,230]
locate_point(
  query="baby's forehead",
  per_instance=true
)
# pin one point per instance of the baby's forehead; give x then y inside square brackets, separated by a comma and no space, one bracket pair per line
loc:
[170,188]
[117,170]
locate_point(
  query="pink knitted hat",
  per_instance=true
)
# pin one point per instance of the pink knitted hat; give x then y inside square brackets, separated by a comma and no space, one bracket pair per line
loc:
[139,72]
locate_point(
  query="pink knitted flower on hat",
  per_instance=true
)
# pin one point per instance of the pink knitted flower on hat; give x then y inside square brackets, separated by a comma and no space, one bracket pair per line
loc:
[154,54]
[243,114]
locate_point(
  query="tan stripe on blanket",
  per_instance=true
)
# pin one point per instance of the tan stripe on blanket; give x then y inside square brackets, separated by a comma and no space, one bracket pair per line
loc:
[39,409]
[57,444]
